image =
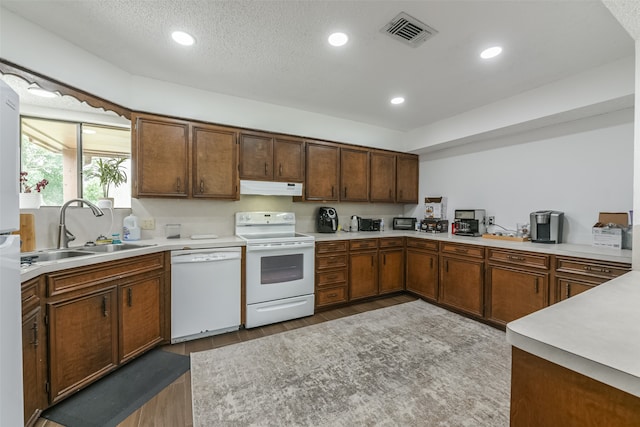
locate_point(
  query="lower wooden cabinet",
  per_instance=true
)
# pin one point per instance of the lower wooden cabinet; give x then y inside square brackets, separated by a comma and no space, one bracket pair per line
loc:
[83,340]
[515,293]
[34,343]
[422,268]
[331,273]
[363,274]
[576,275]
[462,278]
[567,287]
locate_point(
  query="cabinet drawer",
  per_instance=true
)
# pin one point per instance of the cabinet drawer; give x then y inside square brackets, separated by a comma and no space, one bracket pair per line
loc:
[84,277]
[391,242]
[332,277]
[331,296]
[363,244]
[325,262]
[430,245]
[329,247]
[591,268]
[520,258]
[466,250]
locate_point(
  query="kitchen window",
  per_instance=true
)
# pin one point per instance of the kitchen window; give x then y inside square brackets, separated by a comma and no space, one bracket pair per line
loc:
[64,153]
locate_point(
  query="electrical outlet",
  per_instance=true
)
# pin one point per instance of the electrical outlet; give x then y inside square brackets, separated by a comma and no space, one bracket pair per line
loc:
[492,220]
[148,224]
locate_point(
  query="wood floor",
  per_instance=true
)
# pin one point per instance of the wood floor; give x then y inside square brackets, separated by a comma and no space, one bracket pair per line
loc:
[172,406]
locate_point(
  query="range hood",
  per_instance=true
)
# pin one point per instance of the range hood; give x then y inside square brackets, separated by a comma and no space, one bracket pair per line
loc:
[270,188]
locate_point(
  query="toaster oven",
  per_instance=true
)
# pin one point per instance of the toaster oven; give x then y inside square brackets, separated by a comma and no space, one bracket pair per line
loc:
[404,223]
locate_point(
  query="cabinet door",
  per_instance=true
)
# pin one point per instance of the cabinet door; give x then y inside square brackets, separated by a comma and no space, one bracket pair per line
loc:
[568,288]
[215,163]
[515,293]
[32,365]
[354,175]
[391,273]
[141,313]
[422,273]
[322,168]
[461,284]
[363,277]
[256,156]
[383,177]
[288,160]
[407,179]
[160,157]
[83,341]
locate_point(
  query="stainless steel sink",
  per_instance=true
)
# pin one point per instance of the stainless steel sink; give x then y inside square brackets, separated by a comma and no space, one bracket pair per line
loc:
[41,256]
[112,248]
[58,254]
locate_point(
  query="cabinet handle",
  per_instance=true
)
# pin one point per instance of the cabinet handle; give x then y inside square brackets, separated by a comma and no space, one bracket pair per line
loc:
[34,328]
[537,288]
[390,195]
[332,191]
[265,168]
[333,294]
[431,263]
[597,269]
[332,277]
[400,194]
[280,169]
[105,313]
[446,266]
[371,260]
[332,260]
[384,259]
[463,251]
[345,191]
[515,258]
[129,297]
[202,186]
[178,184]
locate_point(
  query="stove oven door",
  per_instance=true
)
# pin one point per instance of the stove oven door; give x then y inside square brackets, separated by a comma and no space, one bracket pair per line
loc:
[279,270]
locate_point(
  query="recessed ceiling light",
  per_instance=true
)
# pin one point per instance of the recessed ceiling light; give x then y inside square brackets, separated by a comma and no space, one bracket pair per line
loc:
[183,38]
[338,39]
[397,100]
[37,90]
[491,52]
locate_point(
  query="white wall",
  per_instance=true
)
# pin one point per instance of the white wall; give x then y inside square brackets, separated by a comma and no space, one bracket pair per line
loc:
[636,186]
[580,168]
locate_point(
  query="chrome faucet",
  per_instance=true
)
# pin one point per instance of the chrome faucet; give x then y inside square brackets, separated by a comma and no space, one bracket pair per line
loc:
[64,235]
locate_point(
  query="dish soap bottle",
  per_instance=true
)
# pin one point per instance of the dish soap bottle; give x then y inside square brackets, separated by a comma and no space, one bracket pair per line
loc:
[131,230]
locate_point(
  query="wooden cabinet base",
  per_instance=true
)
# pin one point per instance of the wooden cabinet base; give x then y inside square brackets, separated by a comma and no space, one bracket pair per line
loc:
[544,394]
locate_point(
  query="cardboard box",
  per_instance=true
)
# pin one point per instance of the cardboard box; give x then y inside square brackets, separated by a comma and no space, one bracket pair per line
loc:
[611,230]
[435,207]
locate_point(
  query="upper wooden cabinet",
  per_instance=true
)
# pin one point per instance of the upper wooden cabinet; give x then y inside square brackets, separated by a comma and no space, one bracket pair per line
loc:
[160,156]
[322,171]
[271,158]
[383,177]
[354,175]
[407,179]
[181,159]
[215,159]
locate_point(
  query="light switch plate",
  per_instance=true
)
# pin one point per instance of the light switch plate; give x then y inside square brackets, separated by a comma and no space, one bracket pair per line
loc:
[148,224]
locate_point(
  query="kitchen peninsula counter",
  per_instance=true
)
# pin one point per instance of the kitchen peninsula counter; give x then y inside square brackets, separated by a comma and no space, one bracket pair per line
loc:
[561,249]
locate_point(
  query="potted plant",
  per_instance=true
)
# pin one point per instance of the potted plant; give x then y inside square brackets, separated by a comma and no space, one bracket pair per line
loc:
[109,172]
[30,194]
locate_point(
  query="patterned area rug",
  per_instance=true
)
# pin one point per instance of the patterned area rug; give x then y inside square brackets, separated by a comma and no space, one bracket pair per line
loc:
[412,364]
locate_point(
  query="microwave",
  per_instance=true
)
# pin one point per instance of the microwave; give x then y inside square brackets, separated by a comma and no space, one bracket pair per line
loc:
[403,223]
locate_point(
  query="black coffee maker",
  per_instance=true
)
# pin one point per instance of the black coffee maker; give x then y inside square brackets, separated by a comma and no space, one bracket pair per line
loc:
[327,220]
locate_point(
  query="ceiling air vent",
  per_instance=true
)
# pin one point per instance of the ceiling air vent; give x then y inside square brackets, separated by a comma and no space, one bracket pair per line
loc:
[408,30]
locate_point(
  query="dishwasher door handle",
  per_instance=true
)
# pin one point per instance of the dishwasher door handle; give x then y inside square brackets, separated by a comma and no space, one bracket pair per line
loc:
[213,257]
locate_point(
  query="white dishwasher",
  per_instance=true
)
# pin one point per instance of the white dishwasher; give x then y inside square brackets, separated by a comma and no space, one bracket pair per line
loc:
[205,292]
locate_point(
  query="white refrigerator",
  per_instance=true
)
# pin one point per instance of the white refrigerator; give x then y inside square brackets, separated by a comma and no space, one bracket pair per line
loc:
[11,401]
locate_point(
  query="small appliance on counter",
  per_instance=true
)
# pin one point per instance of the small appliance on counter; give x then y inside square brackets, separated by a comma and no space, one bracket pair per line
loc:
[546,226]
[368,224]
[469,222]
[327,220]
[431,225]
[404,223]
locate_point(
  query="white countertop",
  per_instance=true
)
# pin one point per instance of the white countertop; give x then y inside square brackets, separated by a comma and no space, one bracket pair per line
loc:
[563,249]
[595,333]
[158,245]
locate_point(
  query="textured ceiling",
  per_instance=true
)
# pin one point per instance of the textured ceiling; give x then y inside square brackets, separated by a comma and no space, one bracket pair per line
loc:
[276,51]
